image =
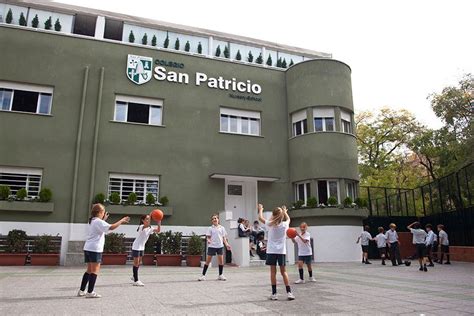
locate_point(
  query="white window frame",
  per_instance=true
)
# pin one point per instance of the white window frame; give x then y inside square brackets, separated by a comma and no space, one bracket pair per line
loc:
[328,188]
[306,193]
[348,190]
[139,100]
[41,90]
[241,116]
[27,172]
[299,118]
[324,114]
[346,118]
[134,178]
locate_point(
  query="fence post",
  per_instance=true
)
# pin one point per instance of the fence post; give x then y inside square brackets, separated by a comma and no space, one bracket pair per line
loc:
[431,198]
[458,186]
[406,202]
[440,195]
[369,200]
[422,200]
[467,185]
[387,203]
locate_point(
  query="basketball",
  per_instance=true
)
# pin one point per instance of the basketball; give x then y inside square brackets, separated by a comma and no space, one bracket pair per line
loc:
[291,233]
[157,215]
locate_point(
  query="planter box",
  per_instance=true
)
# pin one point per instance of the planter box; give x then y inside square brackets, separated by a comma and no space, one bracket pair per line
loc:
[168,260]
[114,258]
[193,260]
[12,259]
[44,259]
[148,259]
[138,209]
[24,206]
[330,211]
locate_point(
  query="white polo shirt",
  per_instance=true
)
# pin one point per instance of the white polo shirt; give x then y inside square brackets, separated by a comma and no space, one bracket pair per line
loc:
[381,240]
[365,237]
[216,234]
[140,241]
[96,236]
[443,238]
[276,243]
[304,248]
[419,235]
[392,236]
[430,238]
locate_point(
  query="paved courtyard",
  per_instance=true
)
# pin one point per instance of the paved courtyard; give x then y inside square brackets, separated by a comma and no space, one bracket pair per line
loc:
[342,289]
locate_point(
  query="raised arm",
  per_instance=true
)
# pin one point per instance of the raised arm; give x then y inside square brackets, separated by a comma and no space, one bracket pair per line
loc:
[286,217]
[409,226]
[158,228]
[124,220]
[260,214]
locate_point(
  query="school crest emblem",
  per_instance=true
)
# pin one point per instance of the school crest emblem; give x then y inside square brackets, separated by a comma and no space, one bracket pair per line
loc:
[139,68]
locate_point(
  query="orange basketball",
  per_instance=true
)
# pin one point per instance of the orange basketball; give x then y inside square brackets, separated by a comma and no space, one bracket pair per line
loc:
[291,232]
[157,215]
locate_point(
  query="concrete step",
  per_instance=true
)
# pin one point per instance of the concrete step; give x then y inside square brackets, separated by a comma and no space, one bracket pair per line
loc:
[257,263]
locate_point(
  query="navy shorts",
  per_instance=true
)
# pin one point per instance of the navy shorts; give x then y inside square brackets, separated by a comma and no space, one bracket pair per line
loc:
[444,248]
[93,257]
[382,251]
[305,259]
[137,253]
[420,250]
[215,251]
[274,258]
[365,248]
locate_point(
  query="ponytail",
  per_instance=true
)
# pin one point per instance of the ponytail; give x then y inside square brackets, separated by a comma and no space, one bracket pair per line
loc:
[95,211]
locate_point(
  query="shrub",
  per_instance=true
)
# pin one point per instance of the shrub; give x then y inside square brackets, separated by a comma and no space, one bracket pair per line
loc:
[164,200]
[187,47]
[176,44]
[22,20]
[35,21]
[269,60]
[9,18]
[279,62]
[114,198]
[171,242]
[153,40]
[132,198]
[283,63]
[16,241]
[291,63]
[298,204]
[43,244]
[166,43]
[150,199]
[250,57]
[99,198]
[312,202]
[131,37]
[150,246]
[195,245]
[4,192]
[114,243]
[21,194]
[218,51]
[361,202]
[347,201]
[259,59]
[48,24]
[238,56]
[332,201]
[145,39]
[57,25]
[226,51]
[199,48]
[45,195]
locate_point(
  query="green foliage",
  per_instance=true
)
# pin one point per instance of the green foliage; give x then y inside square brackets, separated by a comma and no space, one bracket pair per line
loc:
[57,25]
[195,245]
[298,204]
[114,198]
[283,63]
[164,200]
[259,59]
[43,244]
[9,18]
[199,50]
[250,57]
[35,21]
[332,201]
[16,241]
[132,198]
[153,40]
[150,246]
[4,192]
[226,51]
[238,56]
[176,44]
[114,243]
[187,47]
[21,194]
[347,201]
[269,60]
[166,43]
[45,195]
[99,198]
[279,62]
[150,199]
[361,202]
[218,51]
[171,242]
[131,37]
[312,202]
[22,20]
[291,63]
[145,39]
[48,24]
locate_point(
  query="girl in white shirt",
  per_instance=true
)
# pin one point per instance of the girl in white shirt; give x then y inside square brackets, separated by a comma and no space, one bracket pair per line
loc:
[305,253]
[144,231]
[94,247]
[276,246]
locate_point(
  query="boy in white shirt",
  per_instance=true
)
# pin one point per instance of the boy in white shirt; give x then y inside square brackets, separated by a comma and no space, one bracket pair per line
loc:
[381,240]
[364,239]
[394,245]
[305,253]
[419,239]
[444,242]
[216,239]
[430,238]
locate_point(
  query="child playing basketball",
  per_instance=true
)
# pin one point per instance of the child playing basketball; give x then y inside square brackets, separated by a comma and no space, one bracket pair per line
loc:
[381,240]
[364,239]
[144,231]
[419,236]
[94,247]
[305,253]
[276,246]
[216,239]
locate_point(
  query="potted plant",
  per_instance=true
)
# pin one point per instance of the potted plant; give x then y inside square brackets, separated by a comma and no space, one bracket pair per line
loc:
[164,200]
[194,251]
[312,202]
[332,201]
[45,195]
[114,198]
[298,204]
[171,248]
[114,249]
[150,250]
[99,198]
[21,194]
[15,250]
[347,202]
[44,253]
[4,192]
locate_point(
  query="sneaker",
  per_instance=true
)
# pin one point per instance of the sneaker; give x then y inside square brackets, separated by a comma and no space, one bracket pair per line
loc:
[383,263]
[290,296]
[93,295]
[221,278]
[299,281]
[138,283]
[448,262]
[81,293]
[367,262]
[431,265]
[312,279]
[273,297]
[202,278]
[421,269]
[425,269]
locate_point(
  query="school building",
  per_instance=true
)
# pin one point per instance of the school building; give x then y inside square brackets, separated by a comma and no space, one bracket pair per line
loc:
[99,102]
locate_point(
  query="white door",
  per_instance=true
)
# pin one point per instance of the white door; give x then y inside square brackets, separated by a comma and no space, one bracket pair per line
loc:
[235,198]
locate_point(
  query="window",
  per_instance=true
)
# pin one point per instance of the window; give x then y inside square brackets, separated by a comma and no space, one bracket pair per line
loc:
[351,190]
[240,122]
[323,119]
[300,123]
[124,184]
[346,122]
[84,25]
[25,98]
[19,178]
[138,110]
[303,192]
[113,29]
[326,189]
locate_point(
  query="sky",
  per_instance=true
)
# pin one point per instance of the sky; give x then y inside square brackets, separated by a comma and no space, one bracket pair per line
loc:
[399,51]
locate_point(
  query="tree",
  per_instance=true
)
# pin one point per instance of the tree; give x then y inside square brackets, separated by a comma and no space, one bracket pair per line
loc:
[57,25]
[238,56]
[199,48]
[259,59]
[153,40]
[279,62]
[22,20]
[291,62]
[9,18]
[218,51]
[145,39]
[250,57]
[48,24]
[176,44]
[166,43]
[226,51]
[131,37]
[187,47]
[269,60]
[283,63]
[35,21]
